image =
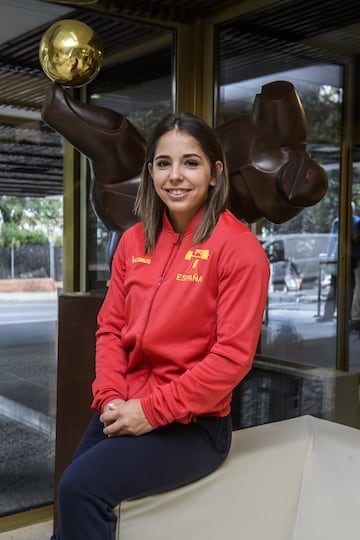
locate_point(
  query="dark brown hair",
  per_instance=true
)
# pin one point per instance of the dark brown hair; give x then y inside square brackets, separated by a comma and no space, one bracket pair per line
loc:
[148,205]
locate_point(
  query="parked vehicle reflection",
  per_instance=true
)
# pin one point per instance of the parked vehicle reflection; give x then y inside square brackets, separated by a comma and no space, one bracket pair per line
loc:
[295,260]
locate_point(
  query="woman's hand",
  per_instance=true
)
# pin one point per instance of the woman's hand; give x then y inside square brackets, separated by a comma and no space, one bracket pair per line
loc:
[124,418]
[108,419]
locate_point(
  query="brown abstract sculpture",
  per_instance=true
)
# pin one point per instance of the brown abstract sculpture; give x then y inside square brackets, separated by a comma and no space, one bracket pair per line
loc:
[115,149]
[271,174]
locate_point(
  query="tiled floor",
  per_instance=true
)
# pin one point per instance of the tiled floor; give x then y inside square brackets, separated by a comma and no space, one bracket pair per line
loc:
[40,531]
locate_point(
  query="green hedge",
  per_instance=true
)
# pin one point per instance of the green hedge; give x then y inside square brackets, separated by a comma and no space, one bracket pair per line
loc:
[14,235]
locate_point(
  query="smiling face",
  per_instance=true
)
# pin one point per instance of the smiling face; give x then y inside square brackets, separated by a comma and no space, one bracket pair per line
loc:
[181,174]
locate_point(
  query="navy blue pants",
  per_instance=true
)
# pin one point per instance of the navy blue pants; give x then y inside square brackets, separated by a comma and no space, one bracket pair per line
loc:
[106,471]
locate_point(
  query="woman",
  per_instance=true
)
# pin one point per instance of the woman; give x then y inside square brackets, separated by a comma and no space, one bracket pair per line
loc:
[177,332]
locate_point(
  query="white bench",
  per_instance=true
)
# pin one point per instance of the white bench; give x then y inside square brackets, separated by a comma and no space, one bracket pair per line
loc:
[297,479]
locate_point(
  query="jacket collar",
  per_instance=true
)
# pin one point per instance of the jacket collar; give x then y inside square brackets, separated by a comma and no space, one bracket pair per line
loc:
[192,226]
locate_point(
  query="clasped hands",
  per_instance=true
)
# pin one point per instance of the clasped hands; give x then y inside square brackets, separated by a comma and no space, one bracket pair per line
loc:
[124,418]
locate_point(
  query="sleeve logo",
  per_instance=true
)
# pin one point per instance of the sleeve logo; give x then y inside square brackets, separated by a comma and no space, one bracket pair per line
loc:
[142,260]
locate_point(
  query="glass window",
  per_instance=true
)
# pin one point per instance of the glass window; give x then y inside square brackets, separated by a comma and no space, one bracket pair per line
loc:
[30,278]
[354,359]
[303,250]
[294,370]
[31,187]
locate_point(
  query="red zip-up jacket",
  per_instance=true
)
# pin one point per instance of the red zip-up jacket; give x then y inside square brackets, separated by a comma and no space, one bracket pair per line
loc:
[179,326]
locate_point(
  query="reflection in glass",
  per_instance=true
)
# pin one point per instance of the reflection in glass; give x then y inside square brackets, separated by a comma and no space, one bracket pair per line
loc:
[354,337]
[294,371]
[299,249]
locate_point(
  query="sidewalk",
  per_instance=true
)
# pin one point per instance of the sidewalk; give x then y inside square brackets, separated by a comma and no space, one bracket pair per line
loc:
[29,285]
[28,333]
[27,460]
[27,296]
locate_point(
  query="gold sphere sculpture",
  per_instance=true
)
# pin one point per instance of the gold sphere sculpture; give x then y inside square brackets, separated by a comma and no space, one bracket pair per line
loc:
[70,53]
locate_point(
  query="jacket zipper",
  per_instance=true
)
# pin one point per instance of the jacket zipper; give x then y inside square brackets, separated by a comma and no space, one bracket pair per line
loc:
[174,248]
